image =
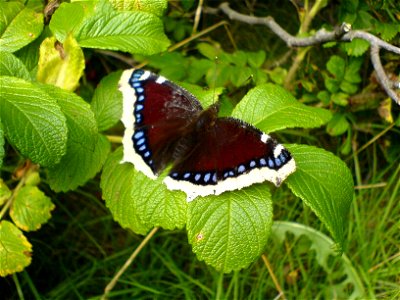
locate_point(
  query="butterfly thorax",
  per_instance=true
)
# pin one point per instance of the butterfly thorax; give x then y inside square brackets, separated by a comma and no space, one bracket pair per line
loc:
[206,119]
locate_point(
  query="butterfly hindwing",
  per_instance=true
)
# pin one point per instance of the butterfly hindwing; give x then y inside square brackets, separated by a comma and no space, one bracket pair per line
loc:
[232,155]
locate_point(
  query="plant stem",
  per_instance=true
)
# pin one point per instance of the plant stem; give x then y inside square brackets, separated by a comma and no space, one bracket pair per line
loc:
[271,272]
[130,260]
[30,168]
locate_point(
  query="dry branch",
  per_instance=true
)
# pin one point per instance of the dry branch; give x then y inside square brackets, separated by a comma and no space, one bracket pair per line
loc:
[344,34]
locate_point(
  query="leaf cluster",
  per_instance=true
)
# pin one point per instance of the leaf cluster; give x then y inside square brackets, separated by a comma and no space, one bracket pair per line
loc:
[46,121]
[43,119]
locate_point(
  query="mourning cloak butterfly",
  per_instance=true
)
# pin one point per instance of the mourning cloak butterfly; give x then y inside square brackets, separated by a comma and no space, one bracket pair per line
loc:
[165,124]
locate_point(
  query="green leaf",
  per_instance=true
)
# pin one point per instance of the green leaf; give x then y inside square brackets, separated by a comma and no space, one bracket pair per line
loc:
[10,65]
[31,208]
[107,102]
[346,146]
[156,7]
[86,149]
[325,184]
[270,108]
[198,69]
[356,47]
[8,11]
[259,76]
[32,121]
[1,144]
[324,96]
[239,58]
[15,250]
[341,99]
[387,31]
[5,192]
[256,59]
[336,66]
[332,85]
[25,27]
[29,55]
[337,125]
[219,76]
[206,97]
[130,31]
[240,75]
[208,51]
[67,19]
[79,164]
[348,87]
[137,202]
[61,64]
[174,72]
[352,73]
[230,231]
[278,75]
[348,279]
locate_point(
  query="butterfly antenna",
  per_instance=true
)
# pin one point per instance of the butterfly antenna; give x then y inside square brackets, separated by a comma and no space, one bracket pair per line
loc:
[215,99]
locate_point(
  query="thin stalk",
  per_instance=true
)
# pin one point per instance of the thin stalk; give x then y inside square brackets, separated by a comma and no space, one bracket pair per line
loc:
[130,260]
[271,272]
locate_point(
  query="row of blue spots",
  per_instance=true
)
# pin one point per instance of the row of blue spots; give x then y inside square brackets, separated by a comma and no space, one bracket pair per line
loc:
[282,158]
[140,145]
[136,75]
[211,177]
[270,162]
[202,178]
[139,90]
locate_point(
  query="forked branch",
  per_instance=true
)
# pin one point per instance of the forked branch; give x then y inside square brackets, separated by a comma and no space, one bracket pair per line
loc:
[343,33]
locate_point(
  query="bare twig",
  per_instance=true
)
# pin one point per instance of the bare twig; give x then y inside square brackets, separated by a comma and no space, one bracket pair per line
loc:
[381,75]
[342,33]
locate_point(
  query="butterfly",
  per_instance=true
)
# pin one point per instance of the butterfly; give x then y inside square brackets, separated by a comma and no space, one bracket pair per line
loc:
[166,125]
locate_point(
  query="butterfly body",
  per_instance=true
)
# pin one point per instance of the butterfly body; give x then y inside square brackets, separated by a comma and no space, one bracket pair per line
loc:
[165,124]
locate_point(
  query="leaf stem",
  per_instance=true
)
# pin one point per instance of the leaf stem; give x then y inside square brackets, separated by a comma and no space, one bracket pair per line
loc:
[114,139]
[18,287]
[130,260]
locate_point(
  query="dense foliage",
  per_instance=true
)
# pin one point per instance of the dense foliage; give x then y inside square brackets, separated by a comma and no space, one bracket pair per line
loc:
[59,127]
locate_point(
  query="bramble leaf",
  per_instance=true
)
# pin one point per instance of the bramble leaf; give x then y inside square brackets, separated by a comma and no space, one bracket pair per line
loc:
[270,108]
[1,144]
[336,66]
[231,230]
[107,102]
[137,202]
[156,7]
[8,11]
[10,65]
[130,31]
[325,184]
[67,18]
[337,125]
[15,249]
[356,47]
[86,149]
[256,59]
[5,192]
[31,208]
[61,65]
[24,27]
[32,121]
[206,97]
